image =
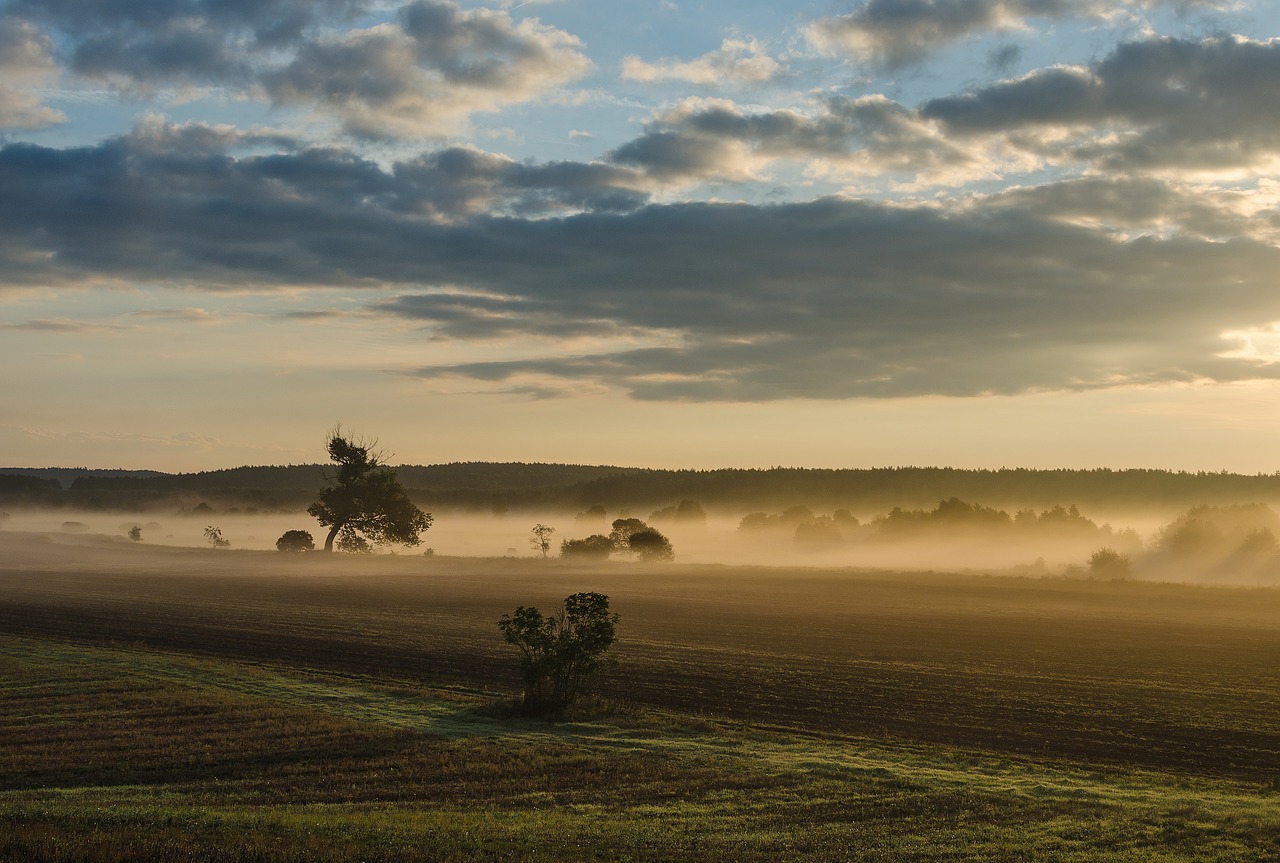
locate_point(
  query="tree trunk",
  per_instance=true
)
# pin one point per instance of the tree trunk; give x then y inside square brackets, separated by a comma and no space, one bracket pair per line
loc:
[328,540]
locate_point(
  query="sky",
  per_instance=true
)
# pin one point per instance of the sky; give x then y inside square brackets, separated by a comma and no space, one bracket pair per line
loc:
[977,233]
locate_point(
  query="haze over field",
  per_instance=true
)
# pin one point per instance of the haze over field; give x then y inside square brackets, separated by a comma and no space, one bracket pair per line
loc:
[659,234]
[1227,545]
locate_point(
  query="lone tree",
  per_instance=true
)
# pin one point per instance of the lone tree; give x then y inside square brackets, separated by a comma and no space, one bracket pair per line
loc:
[560,654]
[213,536]
[296,540]
[540,538]
[135,533]
[364,502]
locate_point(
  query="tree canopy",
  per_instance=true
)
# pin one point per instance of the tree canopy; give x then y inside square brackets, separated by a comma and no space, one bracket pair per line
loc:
[650,545]
[364,502]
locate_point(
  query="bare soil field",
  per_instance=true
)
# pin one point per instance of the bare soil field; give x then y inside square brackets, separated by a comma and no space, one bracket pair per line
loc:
[1165,677]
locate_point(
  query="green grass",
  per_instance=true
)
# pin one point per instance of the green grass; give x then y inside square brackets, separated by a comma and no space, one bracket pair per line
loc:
[115,753]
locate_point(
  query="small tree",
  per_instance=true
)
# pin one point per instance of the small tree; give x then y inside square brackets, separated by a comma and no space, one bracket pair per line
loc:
[213,535]
[540,538]
[1109,563]
[296,540]
[364,502]
[561,654]
[135,533]
[650,545]
[595,547]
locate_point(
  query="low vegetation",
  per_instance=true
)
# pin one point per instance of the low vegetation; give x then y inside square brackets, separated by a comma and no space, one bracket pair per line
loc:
[561,654]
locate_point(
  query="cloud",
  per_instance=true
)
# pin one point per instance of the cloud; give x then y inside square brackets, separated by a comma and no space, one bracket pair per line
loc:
[1204,105]
[190,315]
[1062,286]
[62,325]
[895,33]
[422,73]
[469,315]
[26,63]
[737,61]
[1176,107]
[459,182]
[716,139]
[144,44]
[898,32]
[194,440]
[425,73]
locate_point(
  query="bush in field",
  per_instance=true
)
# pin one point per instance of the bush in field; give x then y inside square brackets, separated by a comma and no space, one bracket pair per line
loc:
[1109,563]
[650,545]
[135,533]
[561,653]
[594,547]
[296,540]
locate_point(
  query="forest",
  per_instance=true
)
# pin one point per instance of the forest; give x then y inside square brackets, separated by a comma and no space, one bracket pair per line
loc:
[498,487]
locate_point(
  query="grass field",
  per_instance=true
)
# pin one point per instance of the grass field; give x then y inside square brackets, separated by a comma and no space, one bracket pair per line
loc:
[180,704]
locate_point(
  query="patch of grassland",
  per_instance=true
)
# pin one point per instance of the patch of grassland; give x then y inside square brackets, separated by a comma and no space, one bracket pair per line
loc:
[129,753]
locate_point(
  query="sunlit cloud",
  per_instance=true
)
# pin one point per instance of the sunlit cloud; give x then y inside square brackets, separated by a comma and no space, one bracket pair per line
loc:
[717,139]
[26,63]
[736,61]
[896,33]
[428,71]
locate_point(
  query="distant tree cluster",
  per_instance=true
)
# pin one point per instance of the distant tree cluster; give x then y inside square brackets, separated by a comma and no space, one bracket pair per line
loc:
[1212,541]
[629,537]
[686,512]
[952,517]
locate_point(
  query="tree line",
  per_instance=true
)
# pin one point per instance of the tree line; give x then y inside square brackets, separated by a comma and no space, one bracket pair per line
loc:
[481,486]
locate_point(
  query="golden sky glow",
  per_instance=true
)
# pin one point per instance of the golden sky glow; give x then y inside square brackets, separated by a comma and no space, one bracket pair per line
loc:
[974,234]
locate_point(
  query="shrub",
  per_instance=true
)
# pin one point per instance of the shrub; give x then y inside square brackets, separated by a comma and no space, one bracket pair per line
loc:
[296,540]
[595,547]
[1109,563]
[561,654]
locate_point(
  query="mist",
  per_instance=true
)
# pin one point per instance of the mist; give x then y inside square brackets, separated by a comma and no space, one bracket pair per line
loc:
[1213,545]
